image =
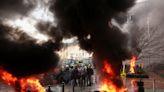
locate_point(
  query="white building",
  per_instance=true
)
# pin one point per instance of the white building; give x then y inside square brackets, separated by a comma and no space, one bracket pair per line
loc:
[73,52]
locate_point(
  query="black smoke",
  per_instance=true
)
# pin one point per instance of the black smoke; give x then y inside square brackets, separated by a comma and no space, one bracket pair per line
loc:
[24,57]
[10,8]
[121,18]
[88,20]
[83,18]
[19,53]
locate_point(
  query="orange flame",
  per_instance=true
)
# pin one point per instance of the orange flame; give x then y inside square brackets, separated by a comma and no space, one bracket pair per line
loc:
[7,77]
[132,64]
[108,69]
[32,84]
[107,84]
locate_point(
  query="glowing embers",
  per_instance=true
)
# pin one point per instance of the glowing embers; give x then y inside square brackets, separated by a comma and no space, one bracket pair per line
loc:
[23,84]
[107,81]
[132,64]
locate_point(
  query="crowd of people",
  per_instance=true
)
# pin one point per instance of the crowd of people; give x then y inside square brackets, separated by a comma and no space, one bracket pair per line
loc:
[76,75]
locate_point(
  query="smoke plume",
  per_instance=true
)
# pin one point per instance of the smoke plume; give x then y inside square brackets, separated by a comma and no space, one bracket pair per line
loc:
[11,8]
[24,57]
[90,21]
[28,37]
[147,30]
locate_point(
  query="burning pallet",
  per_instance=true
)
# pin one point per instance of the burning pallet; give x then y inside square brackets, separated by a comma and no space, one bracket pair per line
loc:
[133,70]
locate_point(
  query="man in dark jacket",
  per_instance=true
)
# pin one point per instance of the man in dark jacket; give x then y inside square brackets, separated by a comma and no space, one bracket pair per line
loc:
[75,73]
[89,75]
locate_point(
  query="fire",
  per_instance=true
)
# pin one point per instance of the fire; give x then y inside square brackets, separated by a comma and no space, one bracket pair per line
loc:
[7,77]
[25,84]
[107,84]
[108,69]
[32,84]
[132,70]
[110,88]
[132,64]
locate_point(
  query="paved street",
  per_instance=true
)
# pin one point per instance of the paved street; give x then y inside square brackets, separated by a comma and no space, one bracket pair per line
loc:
[68,88]
[159,85]
[93,88]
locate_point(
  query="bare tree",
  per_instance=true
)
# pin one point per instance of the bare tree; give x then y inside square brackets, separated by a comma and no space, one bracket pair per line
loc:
[148,43]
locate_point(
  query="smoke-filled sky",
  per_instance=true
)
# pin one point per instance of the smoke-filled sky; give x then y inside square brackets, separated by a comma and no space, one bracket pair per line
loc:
[27,40]
[32,30]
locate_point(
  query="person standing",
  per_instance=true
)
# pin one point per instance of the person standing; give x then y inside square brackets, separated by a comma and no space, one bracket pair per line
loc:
[75,73]
[89,75]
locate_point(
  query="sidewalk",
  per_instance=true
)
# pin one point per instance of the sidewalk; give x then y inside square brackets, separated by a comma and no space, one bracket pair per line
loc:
[69,88]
